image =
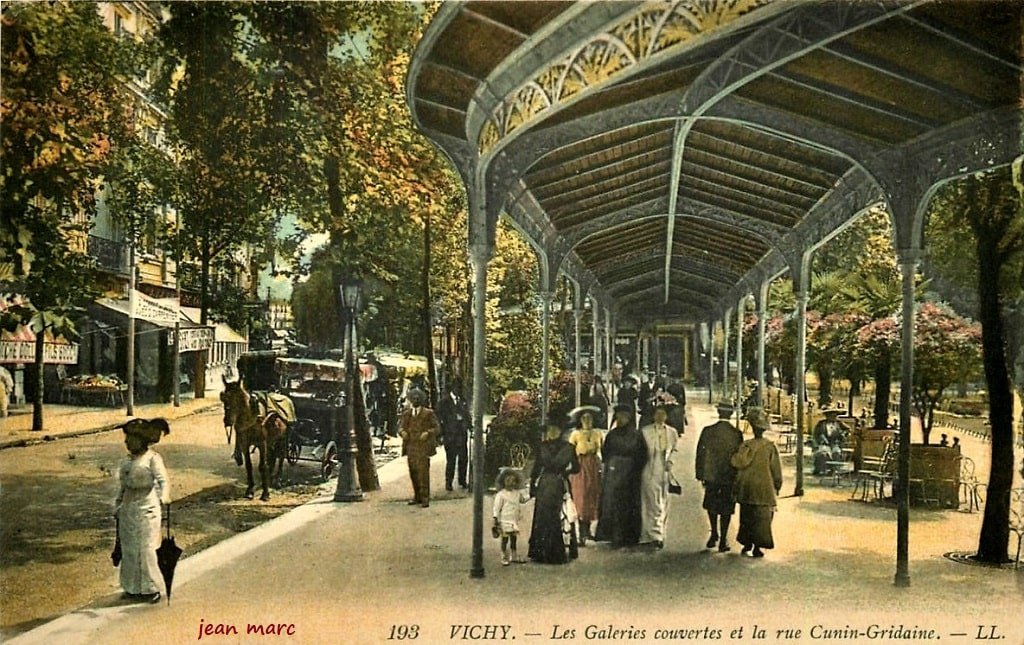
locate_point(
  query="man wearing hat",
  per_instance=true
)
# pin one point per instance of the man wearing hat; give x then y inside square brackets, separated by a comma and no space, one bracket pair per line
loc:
[419,442]
[717,444]
[453,414]
[143,488]
[627,393]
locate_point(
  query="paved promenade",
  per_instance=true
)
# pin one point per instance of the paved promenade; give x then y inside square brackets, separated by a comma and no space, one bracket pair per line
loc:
[380,570]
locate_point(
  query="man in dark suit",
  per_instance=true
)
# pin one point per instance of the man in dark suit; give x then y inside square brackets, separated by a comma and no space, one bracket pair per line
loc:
[453,414]
[419,441]
[717,444]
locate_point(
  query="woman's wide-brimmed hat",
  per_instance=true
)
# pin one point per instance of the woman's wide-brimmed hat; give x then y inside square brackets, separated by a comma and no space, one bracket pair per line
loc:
[831,411]
[758,418]
[150,430]
[577,413]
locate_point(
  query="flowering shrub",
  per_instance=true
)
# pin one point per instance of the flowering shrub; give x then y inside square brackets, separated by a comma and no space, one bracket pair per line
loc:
[517,421]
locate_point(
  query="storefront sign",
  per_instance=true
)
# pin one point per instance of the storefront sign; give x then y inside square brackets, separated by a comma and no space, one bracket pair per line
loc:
[193,339]
[149,309]
[23,351]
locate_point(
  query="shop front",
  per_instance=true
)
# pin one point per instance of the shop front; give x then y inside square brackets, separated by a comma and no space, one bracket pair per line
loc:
[104,352]
[18,354]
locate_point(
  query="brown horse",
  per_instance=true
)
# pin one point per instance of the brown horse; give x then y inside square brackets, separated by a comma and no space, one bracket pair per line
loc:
[267,433]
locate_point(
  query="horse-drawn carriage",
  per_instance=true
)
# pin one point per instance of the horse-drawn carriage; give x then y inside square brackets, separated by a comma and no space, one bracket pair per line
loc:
[308,394]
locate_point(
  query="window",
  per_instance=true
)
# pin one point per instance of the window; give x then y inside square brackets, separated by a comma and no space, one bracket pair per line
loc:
[119,24]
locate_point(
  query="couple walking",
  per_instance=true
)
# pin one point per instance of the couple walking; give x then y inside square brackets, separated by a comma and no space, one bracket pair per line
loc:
[733,470]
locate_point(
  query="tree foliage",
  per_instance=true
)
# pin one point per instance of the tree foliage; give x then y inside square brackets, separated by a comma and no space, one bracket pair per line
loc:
[67,124]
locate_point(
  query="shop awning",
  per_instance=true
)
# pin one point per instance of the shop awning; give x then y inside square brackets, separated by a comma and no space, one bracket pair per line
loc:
[163,313]
[224,333]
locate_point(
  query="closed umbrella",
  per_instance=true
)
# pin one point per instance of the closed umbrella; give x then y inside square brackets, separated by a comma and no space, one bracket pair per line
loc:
[167,556]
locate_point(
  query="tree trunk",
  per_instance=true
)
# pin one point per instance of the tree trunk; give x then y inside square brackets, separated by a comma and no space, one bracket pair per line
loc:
[366,467]
[854,391]
[37,374]
[199,374]
[428,331]
[824,387]
[883,384]
[994,539]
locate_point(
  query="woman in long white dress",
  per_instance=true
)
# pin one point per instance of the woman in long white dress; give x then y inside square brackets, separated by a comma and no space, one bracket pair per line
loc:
[143,488]
[660,440]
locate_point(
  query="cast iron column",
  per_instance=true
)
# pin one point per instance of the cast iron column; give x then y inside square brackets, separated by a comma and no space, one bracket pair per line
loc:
[762,314]
[908,268]
[609,347]
[595,353]
[726,324]
[711,361]
[740,310]
[545,335]
[577,315]
[801,359]
[480,255]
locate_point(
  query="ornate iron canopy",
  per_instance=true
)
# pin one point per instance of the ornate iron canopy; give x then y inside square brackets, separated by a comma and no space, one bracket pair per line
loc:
[670,155]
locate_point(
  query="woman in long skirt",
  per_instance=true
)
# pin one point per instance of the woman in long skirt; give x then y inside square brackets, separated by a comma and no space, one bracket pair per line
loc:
[758,481]
[624,455]
[549,486]
[586,484]
[144,488]
[660,442]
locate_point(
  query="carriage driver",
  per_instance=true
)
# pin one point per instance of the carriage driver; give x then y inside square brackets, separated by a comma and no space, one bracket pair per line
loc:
[419,428]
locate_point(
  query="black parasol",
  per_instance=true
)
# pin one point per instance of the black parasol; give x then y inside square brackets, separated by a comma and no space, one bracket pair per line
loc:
[115,555]
[167,556]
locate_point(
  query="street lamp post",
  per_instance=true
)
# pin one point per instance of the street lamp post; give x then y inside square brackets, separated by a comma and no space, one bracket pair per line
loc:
[348,482]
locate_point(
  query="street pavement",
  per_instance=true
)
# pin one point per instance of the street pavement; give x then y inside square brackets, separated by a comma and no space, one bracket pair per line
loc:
[381,570]
[61,421]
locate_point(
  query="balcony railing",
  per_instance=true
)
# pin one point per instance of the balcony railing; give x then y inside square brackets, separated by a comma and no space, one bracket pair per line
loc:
[109,255]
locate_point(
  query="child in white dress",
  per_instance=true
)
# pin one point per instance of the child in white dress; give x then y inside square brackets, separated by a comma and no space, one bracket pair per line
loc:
[508,503]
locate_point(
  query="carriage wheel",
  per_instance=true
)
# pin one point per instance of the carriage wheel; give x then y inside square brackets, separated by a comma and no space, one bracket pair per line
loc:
[293,453]
[329,466]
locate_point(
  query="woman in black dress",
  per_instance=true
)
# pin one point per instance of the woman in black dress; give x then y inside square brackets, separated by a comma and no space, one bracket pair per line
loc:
[623,455]
[549,483]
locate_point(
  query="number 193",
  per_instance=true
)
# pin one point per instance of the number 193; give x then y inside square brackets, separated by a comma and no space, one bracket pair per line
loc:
[404,632]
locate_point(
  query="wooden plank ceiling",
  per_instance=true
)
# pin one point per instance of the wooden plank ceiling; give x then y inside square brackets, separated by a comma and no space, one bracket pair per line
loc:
[883,85]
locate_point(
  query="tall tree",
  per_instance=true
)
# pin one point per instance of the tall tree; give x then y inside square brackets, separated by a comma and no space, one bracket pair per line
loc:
[990,206]
[225,192]
[65,112]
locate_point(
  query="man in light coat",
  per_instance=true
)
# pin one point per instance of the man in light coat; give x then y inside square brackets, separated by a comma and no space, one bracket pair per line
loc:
[419,442]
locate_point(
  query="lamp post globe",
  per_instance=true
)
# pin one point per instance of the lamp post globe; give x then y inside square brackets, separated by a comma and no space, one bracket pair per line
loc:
[348,481]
